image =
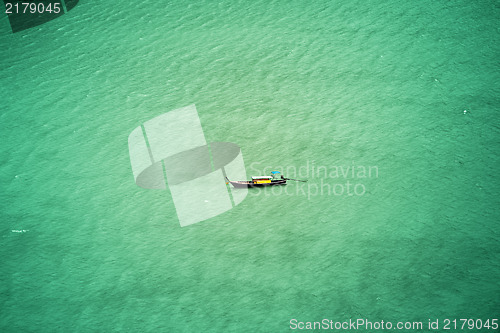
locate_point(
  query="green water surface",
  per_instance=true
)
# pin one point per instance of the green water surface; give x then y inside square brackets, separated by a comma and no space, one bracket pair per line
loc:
[410,88]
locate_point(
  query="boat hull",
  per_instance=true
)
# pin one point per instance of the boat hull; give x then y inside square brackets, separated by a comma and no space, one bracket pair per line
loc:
[247,184]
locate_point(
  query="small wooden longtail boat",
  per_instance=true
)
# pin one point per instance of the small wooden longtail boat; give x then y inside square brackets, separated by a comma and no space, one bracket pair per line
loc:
[261,181]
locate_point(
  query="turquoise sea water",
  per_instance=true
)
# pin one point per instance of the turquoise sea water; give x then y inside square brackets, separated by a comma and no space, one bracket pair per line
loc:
[408,88]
